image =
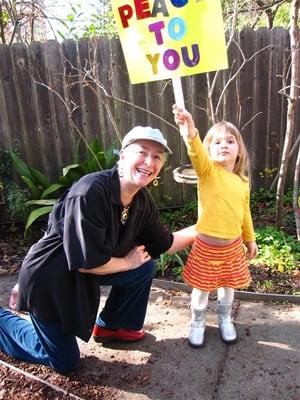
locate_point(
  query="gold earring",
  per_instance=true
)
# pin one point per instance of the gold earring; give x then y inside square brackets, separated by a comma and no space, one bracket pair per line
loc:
[155,182]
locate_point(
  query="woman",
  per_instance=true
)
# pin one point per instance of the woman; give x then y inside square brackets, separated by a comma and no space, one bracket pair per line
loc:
[105,230]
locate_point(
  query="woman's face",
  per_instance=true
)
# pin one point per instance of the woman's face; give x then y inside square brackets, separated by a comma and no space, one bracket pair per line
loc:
[141,162]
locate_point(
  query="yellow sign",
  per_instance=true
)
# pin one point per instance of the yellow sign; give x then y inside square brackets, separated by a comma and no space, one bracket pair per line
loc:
[164,39]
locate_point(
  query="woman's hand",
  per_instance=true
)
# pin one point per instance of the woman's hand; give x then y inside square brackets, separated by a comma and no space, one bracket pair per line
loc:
[136,257]
[182,116]
[13,296]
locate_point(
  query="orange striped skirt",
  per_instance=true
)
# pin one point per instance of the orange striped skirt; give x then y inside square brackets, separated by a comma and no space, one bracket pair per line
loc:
[210,267]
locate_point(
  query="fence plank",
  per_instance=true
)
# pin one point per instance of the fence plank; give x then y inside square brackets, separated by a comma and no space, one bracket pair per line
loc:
[103,77]
[5,126]
[72,90]
[261,85]
[13,124]
[41,77]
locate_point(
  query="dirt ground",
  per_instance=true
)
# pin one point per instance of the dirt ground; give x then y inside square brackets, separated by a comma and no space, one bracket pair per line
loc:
[263,365]
[113,371]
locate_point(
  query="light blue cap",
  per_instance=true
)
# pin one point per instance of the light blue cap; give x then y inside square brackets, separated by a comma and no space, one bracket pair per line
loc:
[145,133]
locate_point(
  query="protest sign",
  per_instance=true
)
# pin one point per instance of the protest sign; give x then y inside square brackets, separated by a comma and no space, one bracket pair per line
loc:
[164,39]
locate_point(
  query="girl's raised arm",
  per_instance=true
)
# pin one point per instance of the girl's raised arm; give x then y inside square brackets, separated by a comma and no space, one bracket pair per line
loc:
[182,116]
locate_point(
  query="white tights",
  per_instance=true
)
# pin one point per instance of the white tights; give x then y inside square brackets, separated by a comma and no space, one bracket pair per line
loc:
[199,298]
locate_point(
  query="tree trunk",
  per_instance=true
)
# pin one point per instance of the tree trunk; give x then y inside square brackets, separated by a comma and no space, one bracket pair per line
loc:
[2,24]
[291,111]
[296,197]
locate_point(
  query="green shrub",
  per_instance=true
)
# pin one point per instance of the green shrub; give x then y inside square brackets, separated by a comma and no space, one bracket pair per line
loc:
[277,250]
[5,164]
[263,208]
[42,200]
[11,194]
[16,198]
[171,264]
[180,217]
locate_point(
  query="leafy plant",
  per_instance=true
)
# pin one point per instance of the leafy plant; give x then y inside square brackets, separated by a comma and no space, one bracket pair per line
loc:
[177,273]
[277,250]
[36,181]
[263,208]
[174,263]
[96,24]
[180,217]
[96,159]
[266,285]
[268,173]
[42,190]
[11,194]
[16,199]
[44,208]
[5,164]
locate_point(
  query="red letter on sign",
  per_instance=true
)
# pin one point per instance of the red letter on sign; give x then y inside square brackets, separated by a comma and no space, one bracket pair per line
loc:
[125,14]
[142,9]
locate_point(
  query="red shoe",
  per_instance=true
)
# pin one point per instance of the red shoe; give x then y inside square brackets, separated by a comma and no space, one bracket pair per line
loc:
[101,334]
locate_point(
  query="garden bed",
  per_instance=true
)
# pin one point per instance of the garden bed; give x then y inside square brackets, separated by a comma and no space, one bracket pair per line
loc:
[13,247]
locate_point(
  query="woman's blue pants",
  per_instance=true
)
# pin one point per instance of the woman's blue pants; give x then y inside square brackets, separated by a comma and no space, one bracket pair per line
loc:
[46,343]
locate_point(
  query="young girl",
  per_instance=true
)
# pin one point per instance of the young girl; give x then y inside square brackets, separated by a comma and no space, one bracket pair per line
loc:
[217,259]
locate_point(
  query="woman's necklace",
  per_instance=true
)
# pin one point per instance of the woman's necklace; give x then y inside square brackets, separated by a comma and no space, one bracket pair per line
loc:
[125,214]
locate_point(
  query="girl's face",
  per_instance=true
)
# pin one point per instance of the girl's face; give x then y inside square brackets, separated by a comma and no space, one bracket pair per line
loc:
[224,149]
[141,162]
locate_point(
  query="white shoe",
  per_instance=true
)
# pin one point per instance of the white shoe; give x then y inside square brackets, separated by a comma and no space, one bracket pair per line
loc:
[197,329]
[227,329]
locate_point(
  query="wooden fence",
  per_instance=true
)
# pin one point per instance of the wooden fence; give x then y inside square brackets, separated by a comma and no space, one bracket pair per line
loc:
[39,84]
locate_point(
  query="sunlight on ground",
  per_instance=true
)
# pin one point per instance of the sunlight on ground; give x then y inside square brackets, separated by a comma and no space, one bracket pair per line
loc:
[281,346]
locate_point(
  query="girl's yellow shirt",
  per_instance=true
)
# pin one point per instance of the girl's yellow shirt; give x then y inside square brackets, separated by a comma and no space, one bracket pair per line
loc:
[223,197]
